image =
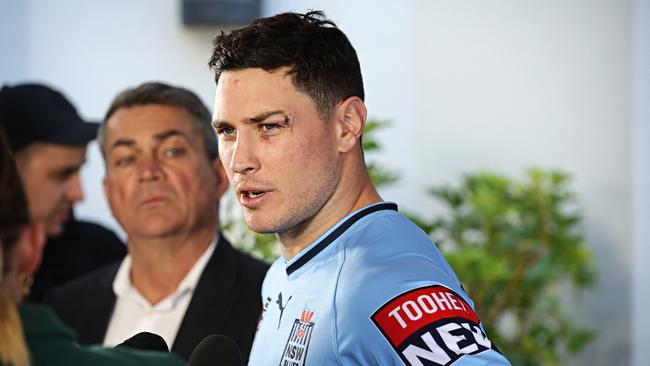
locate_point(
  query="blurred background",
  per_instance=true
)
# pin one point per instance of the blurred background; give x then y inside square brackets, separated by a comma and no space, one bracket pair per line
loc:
[467,86]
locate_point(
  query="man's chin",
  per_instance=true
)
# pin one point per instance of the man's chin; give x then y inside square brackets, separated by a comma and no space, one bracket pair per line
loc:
[54,230]
[263,227]
[55,226]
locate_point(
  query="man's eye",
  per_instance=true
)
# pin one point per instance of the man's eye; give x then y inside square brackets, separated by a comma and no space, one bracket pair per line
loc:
[174,152]
[270,128]
[66,174]
[225,131]
[267,127]
[125,160]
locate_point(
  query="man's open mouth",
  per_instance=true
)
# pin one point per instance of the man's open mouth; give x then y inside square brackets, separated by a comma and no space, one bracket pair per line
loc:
[253,194]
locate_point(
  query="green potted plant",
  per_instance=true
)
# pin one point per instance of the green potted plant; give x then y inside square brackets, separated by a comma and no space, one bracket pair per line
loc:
[517,247]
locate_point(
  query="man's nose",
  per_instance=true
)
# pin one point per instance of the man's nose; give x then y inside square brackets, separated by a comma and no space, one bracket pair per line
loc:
[73,191]
[149,169]
[243,157]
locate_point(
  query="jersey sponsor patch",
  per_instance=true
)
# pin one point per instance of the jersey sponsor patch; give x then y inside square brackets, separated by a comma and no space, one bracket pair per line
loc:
[295,351]
[431,325]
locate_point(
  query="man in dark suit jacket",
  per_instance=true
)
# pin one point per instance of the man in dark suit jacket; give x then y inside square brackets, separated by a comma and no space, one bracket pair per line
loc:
[181,278]
[222,303]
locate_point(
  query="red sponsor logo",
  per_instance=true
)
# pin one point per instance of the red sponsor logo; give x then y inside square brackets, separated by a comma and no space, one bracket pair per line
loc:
[409,312]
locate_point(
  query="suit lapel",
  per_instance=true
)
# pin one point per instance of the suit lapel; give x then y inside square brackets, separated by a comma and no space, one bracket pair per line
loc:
[94,328]
[212,301]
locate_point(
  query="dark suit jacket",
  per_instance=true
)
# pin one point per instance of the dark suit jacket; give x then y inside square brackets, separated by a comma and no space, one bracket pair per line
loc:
[80,249]
[226,301]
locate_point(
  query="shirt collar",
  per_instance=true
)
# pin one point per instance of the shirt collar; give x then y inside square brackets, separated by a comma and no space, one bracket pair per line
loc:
[334,233]
[122,286]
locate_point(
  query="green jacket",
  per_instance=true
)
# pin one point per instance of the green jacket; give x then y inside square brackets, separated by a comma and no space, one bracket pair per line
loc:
[51,343]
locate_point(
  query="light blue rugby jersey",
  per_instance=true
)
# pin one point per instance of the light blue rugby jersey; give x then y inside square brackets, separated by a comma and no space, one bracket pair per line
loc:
[373,290]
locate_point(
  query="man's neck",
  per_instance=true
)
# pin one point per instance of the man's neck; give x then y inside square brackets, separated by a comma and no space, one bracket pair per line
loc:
[158,265]
[354,195]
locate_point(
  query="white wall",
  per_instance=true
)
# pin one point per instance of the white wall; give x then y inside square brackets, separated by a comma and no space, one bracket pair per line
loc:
[641,133]
[474,84]
[13,37]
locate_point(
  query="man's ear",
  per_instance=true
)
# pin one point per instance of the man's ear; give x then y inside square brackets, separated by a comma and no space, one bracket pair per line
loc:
[30,247]
[350,118]
[105,187]
[220,174]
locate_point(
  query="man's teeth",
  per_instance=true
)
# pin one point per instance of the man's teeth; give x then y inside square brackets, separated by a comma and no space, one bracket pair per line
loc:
[254,194]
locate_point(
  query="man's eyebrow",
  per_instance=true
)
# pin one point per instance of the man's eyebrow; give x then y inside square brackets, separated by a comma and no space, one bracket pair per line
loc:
[255,119]
[264,115]
[170,133]
[122,142]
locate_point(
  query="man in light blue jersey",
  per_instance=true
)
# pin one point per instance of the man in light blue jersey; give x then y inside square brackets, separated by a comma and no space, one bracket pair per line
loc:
[358,283]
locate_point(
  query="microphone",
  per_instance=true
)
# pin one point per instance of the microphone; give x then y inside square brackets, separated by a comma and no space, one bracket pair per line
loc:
[216,349]
[145,341]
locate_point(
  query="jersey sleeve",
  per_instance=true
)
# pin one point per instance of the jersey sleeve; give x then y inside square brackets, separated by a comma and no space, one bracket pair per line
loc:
[406,308]
[434,325]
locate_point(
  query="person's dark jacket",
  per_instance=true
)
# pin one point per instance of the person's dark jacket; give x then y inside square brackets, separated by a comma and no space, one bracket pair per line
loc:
[226,301]
[80,249]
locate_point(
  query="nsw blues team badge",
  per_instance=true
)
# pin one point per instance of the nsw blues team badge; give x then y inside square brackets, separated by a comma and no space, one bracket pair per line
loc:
[295,352]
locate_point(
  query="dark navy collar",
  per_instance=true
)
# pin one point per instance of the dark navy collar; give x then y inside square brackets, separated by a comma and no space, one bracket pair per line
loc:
[343,226]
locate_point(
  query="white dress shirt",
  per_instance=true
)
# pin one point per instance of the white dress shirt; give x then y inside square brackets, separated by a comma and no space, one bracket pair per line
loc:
[134,314]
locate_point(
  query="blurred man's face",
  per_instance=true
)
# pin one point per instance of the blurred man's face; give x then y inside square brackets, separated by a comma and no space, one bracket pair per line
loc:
[159,181]
[280,157]
[50,174]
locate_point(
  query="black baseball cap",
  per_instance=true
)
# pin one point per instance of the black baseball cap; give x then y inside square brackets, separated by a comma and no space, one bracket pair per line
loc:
[37,113]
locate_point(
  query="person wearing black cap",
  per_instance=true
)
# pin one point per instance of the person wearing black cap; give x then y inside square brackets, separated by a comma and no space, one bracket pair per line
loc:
[48,139]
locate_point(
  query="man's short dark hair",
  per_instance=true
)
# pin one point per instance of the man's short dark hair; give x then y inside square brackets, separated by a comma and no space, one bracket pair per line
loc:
[164,94]
[320,58]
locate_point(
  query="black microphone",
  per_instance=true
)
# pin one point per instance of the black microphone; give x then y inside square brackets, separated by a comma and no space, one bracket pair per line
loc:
[145,341]
[216,349]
